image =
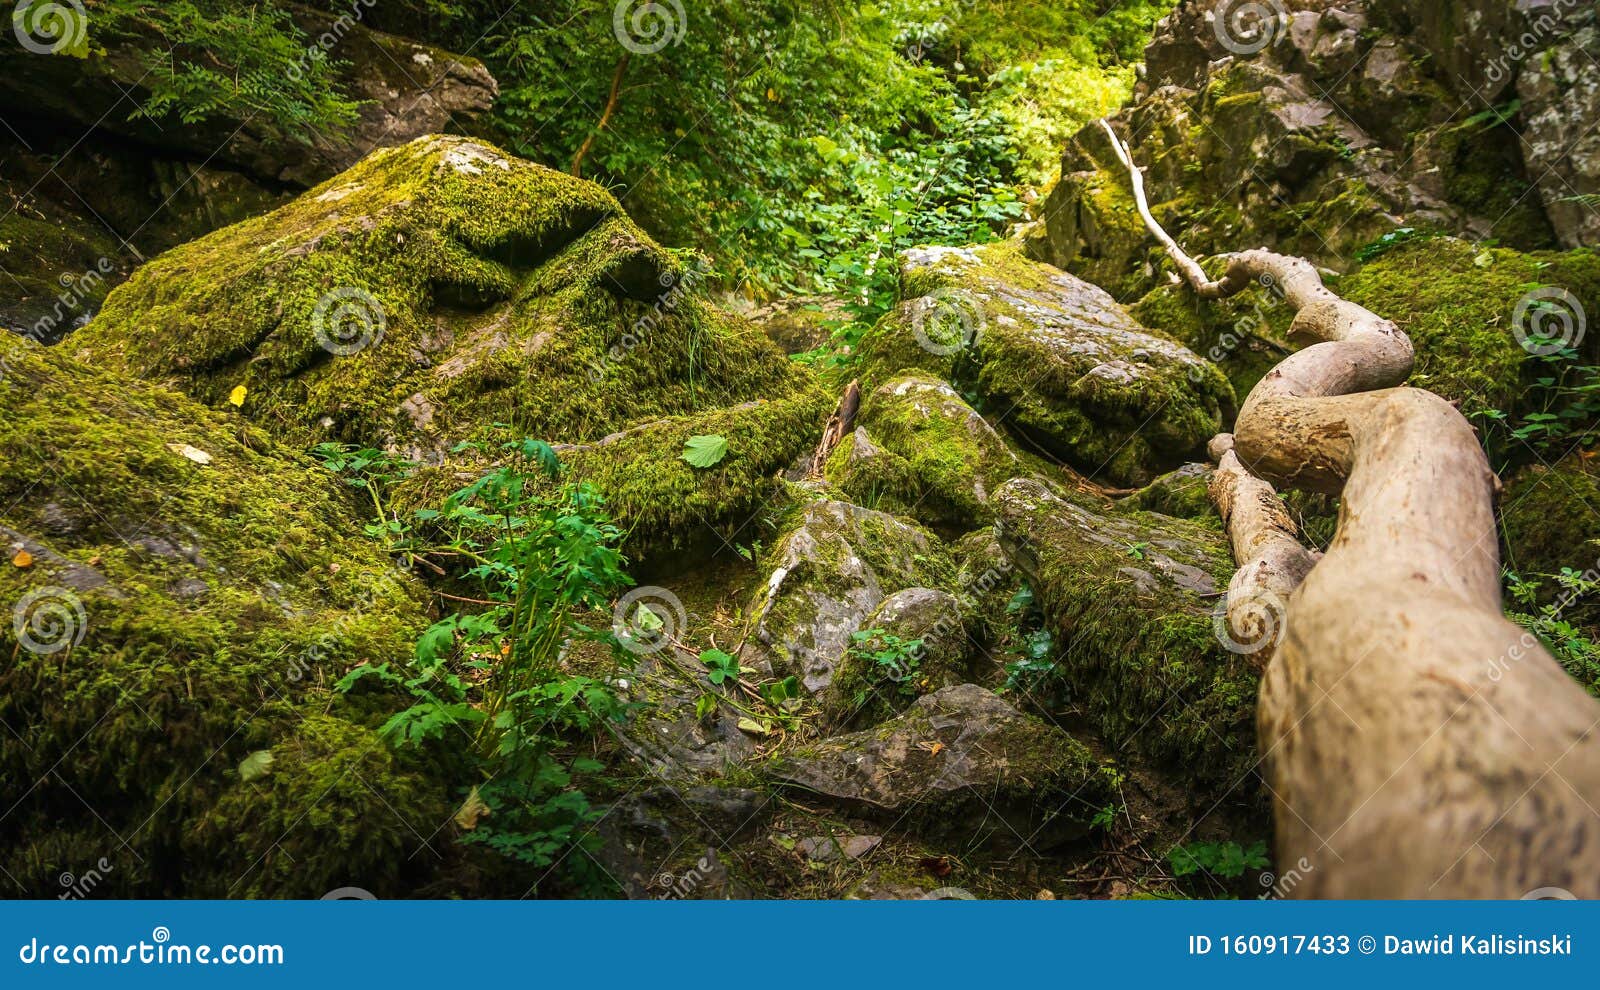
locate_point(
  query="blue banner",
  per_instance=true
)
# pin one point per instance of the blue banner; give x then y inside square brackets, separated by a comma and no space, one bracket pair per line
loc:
[845,944]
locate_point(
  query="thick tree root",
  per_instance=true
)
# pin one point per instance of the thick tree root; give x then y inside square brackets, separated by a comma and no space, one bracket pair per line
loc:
[1415,742]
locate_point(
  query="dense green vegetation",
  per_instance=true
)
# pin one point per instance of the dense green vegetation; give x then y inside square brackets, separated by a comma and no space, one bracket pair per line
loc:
[799,142]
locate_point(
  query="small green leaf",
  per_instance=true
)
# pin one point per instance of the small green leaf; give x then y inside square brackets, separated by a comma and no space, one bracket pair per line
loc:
[256,765]
[705,451]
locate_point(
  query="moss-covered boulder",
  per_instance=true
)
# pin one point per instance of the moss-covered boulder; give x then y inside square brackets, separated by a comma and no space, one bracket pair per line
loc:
[919,643]
[180,595]
[439,289]
[921,450]
[1182,493]
[1059,360]
[1550,515]
[832,568]
[962,765]
[1132,598]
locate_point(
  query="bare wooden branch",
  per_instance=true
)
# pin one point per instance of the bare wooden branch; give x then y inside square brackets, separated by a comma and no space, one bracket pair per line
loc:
[1416,743]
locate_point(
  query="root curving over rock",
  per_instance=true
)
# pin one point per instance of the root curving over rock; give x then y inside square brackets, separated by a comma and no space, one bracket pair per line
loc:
[1416,743]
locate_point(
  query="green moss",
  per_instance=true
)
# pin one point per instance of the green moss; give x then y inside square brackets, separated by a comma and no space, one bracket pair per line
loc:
[1130,597]
[1551,518]
[1057,359]
[512,297]
[215,603]
[938,461]
[1456,302]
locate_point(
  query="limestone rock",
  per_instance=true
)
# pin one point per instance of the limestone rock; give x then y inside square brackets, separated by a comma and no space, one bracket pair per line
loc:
[828,574]
[1132,599]
[960,764]
[1059,360]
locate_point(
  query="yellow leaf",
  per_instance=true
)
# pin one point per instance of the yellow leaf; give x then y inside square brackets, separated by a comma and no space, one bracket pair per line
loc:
[753,727]
[23,559]
[237,395]
[772,94]
[472,810]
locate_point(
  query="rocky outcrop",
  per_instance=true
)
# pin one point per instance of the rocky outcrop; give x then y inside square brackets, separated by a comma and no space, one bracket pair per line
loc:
[1133,600]
[914,642]
[180,594]
[962,765]
[443,287]
[1055,358]
[831,570]
[921,450]
[405,89]
[1319,126]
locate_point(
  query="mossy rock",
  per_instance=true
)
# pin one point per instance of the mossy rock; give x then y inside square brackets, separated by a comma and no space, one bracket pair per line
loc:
[834,565]
[939,460]
[1132,599]
[190,592]
[1551,517]
[437,290]
[1060,361]
[1182,493]
[962,765]
[864,692]
[1458,302]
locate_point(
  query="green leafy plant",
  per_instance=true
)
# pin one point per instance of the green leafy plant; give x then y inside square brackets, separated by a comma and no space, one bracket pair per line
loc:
[1228,860]
[722,668]
[889,658]
[374,472]
[489,683]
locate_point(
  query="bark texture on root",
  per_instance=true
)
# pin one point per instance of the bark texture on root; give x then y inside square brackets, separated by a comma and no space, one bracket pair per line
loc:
[1414,741]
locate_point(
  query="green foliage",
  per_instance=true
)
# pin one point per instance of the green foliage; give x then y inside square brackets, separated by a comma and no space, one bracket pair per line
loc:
[889,658]
[723,668]
[1571,645]
[490,681]
[1558,413]
[210,58]
[1228,860]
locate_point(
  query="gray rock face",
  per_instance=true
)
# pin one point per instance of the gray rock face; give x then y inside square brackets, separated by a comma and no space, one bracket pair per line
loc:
[1560,93]
[838,563]
[864,691]
[1317,131]
[960,762]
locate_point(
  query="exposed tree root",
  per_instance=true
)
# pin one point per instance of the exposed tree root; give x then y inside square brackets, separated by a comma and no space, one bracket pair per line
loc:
[1415,742]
